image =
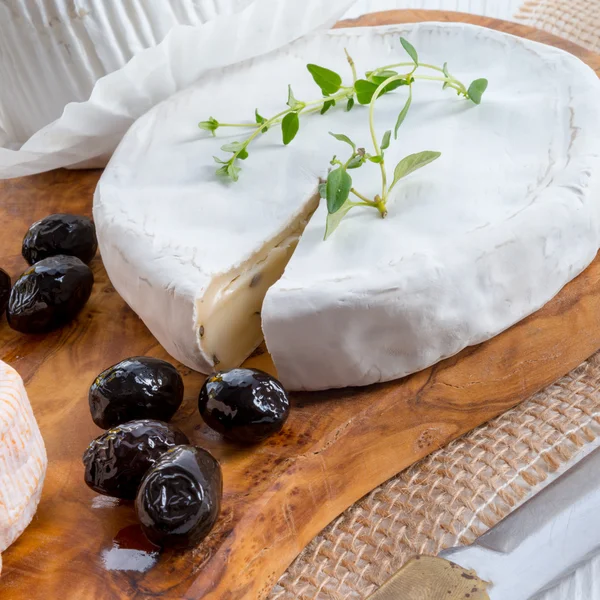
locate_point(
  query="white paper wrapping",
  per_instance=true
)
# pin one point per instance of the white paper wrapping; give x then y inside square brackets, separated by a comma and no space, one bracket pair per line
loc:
[52,52]
[88,130]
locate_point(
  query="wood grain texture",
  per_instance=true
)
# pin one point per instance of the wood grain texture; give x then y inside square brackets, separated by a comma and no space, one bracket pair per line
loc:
[335,448]
[433,578]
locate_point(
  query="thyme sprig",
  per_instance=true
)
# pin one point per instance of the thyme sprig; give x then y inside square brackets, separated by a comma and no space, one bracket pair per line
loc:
[338,189]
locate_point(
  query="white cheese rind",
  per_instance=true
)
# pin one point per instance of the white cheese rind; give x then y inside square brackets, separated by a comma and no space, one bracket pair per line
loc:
[23,458]
[395,320]
[472,243]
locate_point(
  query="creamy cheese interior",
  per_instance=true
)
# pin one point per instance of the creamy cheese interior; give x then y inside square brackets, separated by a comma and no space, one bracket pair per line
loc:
[228,315]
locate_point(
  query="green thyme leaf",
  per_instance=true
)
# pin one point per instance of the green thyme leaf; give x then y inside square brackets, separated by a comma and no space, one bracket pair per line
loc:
[229,169]
[289,127]
[356,161]
[233,147]
[338,189]
[446,74]
[327,105]
[410,50]
[392,85]
[334,219]
[329,81]
[476,90]
[260,120]
[233,171]
[238,148]
[364,90]
[211,125]
[343,138]
[385,142]
[409,164]
[403,113]
[380,76]
[292,102]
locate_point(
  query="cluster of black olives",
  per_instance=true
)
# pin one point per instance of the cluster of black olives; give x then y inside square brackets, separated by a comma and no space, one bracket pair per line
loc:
[54,289]
[177,487]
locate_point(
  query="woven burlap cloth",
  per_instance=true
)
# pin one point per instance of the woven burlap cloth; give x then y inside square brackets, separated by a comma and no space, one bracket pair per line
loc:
[575,20]
[460,491]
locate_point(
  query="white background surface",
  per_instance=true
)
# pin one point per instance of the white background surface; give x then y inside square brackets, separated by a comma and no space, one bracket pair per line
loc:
[584,584]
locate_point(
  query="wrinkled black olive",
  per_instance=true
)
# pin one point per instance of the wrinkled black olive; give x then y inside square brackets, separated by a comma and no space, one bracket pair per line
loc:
[116,461]
[245,405]
[140,387]
[4,290]
[179,498]
[72,235]
[49,294]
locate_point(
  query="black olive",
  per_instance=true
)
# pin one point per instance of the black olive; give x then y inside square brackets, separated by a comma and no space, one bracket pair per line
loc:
[49,294]
[179,498]
[4,290]
[245,405]
[116,461]
[136,388]
[72,235]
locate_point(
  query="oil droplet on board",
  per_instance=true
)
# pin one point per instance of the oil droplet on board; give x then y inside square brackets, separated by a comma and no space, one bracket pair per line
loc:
[130,551]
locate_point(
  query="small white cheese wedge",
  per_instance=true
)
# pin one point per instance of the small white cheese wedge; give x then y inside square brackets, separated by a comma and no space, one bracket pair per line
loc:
[23,458]
[192,254]
[472,243]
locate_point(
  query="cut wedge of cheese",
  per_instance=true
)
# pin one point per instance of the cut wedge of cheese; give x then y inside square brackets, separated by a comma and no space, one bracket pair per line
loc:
[23,458]
[472,243]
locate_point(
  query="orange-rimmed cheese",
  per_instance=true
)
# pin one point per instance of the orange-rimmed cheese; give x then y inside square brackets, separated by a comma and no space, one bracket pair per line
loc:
[23,459]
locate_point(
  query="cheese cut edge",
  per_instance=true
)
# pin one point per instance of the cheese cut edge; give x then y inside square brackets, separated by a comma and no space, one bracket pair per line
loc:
[182,320]
[227,318]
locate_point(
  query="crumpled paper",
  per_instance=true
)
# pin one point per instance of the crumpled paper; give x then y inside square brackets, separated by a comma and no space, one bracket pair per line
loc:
[88,132]
[53,52]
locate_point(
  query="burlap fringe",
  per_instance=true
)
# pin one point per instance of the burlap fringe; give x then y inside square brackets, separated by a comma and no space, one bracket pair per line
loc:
[575,20]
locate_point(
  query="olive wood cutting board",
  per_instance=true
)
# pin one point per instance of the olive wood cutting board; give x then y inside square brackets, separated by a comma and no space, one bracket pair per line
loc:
[336,446]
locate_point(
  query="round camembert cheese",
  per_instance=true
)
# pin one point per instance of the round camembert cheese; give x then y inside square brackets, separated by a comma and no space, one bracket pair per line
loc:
[23,458]
[472,243]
